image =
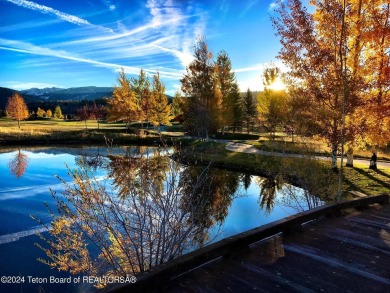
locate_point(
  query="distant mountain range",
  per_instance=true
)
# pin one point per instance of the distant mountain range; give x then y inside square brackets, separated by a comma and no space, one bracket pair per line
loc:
[48,98]
[88,93]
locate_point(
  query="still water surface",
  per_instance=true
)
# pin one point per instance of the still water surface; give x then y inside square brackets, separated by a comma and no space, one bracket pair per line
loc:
[28,175]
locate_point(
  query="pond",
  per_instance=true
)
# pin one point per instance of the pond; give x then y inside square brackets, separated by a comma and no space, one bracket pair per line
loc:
[144,205]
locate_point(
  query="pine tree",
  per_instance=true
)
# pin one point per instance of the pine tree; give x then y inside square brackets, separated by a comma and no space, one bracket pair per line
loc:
[249,109]
[228,90]
[199,89]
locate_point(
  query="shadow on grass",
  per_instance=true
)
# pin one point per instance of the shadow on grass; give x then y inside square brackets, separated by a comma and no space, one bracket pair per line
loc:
[383,173]
[369,176]
[352,186]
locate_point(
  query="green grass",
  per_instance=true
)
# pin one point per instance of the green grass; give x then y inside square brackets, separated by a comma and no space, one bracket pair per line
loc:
[316,175]
[53,131]
[310,146]
[363,179]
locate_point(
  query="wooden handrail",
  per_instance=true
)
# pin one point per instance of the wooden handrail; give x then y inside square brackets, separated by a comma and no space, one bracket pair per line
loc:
[180,265]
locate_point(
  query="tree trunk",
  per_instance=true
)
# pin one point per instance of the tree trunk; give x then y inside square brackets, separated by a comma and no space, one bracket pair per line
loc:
[350,157]
[19,124]
[334,156]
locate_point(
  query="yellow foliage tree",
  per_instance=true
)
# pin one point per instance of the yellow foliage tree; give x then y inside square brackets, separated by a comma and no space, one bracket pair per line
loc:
[49,113]
[160,112]
[16,108]
[124,104]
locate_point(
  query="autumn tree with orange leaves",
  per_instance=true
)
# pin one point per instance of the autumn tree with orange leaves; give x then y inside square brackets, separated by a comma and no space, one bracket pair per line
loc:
[16,108]
[339,68]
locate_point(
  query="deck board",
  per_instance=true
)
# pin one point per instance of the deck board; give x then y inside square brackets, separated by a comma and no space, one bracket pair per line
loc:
[349,253]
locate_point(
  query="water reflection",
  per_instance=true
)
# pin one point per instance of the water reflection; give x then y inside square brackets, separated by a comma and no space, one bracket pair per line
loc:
[154,210]
[92,161]
[18,164]
[269,187]
[149,209]
[210,194]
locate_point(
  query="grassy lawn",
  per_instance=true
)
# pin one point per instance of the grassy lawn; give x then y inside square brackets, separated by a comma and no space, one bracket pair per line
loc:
[312,146]
[363,179]
[54,131]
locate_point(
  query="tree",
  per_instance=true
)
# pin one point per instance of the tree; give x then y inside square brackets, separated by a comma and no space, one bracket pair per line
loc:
[373,117]
[40,112]
[249,110]
[272,103]
[178,103]
[16,108]
[141,88]
[84,113]
[236,99]
[124,104]
[198,85]
[228,89]
[49,113]
[58,113]
[160,111]
[318,49]
[98,113]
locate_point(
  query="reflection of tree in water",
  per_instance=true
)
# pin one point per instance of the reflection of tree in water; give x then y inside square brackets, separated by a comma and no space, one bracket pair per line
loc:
[92,162]
[143,172]
[155,211]
[18,164]
[210,195]
[269,187]
[246,179]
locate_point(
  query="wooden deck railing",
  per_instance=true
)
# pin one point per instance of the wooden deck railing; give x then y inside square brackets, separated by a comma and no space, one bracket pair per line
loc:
[162,273]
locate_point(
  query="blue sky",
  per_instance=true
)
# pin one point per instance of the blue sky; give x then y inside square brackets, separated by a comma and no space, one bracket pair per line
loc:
[75,43]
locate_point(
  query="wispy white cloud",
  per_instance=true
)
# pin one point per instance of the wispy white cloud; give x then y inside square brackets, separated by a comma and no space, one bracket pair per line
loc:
[109,4]
[274,5]
[28,25]
[48,10]
[248,7]
[261,66]
[24,47]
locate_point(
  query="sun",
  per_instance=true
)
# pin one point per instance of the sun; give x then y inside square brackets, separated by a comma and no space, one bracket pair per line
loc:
[278,85]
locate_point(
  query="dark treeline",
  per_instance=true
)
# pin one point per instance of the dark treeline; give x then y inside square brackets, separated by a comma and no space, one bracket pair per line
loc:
[67,107]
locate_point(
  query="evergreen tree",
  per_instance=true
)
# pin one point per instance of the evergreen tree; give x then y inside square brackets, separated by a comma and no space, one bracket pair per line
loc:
[249,110]
[228,90]
[199,89]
